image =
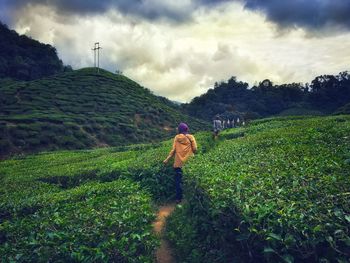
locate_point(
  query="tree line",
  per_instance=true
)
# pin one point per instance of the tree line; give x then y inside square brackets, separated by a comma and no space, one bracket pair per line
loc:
[326,94]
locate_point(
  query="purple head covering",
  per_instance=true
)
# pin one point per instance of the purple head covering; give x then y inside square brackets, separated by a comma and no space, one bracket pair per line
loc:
[183,128]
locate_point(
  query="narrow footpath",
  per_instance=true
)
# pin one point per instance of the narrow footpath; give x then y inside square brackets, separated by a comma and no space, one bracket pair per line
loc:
[163,253]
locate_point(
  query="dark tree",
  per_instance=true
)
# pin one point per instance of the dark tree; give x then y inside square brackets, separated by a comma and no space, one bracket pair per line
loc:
[325,94]
[23,58]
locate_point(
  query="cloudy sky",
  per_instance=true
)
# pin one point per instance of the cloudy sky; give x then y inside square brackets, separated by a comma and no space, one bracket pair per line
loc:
[179,49]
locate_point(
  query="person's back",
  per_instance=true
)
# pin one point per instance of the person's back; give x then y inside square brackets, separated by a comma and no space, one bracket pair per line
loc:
[184,146]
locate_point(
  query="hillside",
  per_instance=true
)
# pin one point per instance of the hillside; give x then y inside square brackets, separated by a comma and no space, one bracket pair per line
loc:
[23,58]
[324,95]
[82,109]
[274,191]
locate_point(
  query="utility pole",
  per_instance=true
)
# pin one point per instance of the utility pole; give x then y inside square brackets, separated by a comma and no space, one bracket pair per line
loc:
[97,48]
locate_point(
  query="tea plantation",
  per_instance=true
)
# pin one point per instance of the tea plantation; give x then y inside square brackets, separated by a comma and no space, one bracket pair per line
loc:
[280,193]
[66,207]
[83,109]
[275,191]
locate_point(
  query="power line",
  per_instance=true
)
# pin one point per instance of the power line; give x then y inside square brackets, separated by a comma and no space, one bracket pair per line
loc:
[97,48]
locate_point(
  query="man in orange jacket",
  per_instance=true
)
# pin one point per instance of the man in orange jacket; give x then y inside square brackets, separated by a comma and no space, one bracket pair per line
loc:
[184,147]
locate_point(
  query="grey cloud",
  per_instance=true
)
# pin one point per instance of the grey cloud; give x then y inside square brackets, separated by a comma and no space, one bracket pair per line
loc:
[149,9]
[311,14]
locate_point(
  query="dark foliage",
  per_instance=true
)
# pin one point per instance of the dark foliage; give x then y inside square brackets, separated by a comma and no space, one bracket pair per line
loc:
[23,58]
[324,95]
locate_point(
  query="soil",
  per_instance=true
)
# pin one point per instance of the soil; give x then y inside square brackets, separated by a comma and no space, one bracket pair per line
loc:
[164,253]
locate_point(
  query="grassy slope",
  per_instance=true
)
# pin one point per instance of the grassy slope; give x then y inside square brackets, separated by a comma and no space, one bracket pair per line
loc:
[82,109]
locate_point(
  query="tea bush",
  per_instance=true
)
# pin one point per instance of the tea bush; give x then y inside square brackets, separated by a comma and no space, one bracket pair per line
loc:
[104,108]
[276,190]
[24,181]
[96,222]
[279,193]
[74,206]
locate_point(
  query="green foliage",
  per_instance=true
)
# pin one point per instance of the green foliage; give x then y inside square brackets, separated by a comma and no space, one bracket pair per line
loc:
[106,222]
[276,190]
[300,111]
[68,206]
[83,109]
[279,193]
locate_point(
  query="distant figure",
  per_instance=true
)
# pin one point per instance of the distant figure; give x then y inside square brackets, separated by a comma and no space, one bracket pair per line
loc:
[228,123]
[233,123]
[217,126]
[238,121]
[243,123]
[184,146]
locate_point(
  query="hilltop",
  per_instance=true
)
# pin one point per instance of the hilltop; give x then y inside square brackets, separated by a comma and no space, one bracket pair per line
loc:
[82,109]
[24,58]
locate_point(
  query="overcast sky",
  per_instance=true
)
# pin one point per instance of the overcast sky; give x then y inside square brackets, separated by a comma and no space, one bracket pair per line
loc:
[179,49]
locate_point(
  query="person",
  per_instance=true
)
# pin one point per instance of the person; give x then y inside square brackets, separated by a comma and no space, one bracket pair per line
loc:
[184,146]
[217,126]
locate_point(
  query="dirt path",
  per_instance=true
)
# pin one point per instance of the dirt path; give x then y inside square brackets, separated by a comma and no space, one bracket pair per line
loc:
[163,253]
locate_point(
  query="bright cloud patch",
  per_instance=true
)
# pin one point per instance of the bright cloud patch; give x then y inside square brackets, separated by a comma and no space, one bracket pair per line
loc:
[183,60]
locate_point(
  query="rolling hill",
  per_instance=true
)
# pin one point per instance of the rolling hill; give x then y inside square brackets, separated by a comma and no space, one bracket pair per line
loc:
[82,109]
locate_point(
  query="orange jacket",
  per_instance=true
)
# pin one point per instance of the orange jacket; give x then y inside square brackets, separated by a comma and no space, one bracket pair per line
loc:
[184,146]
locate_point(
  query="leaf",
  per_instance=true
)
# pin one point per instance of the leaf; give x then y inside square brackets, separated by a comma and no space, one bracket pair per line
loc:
[317,228]
[269,250]
[329,239]
[347,217]
[275,236]
[288,258]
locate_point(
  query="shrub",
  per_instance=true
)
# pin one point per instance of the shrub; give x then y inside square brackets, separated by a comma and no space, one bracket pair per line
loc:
[276,194]
[55,208]
[107,222]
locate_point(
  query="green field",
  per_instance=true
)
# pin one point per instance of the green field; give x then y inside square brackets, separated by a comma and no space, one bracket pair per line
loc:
[276,190]
[83,109]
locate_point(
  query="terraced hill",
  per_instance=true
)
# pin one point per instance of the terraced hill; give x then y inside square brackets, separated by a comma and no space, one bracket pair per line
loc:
[82,109]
